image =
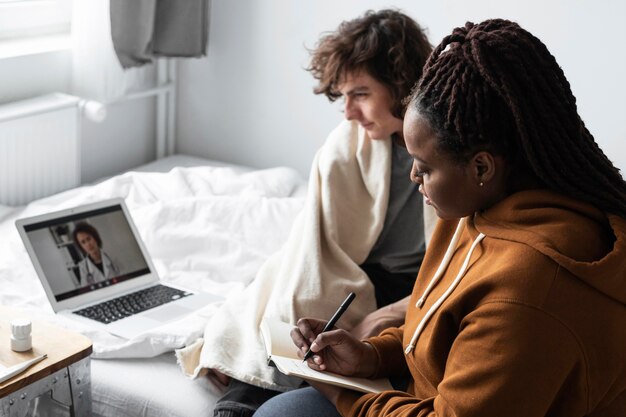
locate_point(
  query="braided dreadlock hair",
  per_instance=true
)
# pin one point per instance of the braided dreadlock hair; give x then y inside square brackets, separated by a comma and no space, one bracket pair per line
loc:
[494,86]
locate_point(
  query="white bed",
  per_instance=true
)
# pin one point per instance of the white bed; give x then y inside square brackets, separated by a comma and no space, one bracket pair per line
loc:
[207,225]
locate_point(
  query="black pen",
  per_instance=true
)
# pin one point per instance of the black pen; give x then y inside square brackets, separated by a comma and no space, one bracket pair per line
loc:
[331,323]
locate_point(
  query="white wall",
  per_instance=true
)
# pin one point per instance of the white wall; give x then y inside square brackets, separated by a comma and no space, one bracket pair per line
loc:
[22,76]
[250,101]
[124,140]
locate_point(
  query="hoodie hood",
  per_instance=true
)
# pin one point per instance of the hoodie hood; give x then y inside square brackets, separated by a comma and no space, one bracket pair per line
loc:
[582,239]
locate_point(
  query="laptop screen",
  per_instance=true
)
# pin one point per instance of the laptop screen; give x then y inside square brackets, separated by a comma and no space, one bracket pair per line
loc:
[84,252]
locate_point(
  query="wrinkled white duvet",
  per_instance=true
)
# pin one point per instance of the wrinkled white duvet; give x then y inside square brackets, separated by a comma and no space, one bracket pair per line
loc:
[205,228]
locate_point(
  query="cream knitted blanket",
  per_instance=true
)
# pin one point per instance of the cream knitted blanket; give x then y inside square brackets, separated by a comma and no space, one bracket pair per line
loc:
[317,267]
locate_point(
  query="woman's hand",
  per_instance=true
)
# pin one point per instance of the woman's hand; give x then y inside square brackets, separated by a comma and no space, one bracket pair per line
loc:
[381,319]
[336,350]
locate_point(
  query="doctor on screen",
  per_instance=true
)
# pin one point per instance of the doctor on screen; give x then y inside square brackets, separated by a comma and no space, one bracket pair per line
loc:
[96,265]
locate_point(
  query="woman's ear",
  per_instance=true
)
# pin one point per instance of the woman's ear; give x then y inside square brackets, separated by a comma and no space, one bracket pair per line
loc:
[484,167]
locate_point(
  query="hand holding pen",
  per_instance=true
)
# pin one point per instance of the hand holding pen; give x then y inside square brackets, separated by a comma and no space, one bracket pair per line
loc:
[333,320]
[337,350]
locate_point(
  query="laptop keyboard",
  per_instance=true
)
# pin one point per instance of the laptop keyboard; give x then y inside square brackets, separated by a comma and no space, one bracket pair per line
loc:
[133,303]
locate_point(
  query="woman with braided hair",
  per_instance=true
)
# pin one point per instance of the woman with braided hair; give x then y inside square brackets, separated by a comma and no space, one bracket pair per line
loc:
[520,303]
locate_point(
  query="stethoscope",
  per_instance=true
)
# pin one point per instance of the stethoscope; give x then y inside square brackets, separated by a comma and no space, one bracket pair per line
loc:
[88,262]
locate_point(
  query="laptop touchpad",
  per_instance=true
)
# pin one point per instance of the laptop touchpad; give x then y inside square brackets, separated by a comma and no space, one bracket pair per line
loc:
[167,313]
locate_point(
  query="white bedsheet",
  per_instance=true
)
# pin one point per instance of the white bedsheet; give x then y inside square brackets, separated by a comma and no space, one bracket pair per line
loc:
[148,387]
[205,228]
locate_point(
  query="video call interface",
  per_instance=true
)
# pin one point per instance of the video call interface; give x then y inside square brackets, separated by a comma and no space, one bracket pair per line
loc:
[86,252]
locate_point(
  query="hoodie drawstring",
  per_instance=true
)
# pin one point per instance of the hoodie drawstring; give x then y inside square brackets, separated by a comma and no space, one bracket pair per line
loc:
[442,266]
[444,262]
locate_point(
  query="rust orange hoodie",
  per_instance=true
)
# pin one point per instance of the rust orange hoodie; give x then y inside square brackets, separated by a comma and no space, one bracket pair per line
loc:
[517,311]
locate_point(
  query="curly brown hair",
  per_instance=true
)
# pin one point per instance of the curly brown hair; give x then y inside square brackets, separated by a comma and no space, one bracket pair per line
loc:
[494,86]
[390,46]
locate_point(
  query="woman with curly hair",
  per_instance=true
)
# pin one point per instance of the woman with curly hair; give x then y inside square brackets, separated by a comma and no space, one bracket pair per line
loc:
[362,228]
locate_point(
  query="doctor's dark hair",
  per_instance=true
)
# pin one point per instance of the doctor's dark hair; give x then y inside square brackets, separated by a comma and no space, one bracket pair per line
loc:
[390,46]
[83,227]
[494,86]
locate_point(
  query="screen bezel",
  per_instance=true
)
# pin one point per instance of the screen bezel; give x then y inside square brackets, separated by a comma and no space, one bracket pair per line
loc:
[96,295]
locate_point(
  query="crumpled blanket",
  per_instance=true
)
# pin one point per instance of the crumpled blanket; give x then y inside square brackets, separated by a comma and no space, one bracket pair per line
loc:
[206,228]
[318,266]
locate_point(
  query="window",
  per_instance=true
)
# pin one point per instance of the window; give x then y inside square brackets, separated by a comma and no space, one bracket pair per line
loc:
[29,18]
[30,27]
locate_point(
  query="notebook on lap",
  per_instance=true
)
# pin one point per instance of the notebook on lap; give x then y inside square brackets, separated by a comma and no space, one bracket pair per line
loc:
[95,268]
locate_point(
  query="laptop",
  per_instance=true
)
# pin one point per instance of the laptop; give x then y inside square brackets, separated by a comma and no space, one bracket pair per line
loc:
[95,269]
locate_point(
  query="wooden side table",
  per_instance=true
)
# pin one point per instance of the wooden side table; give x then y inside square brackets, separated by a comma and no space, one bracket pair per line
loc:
[61,380]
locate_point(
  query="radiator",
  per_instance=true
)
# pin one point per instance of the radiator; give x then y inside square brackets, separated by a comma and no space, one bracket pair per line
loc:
[39,148]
